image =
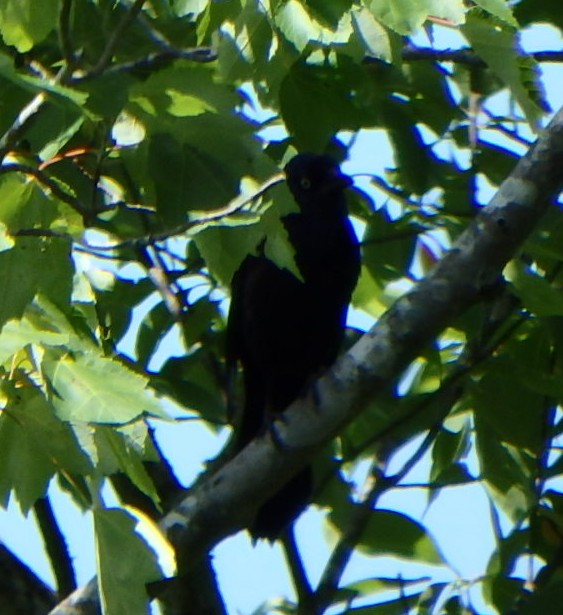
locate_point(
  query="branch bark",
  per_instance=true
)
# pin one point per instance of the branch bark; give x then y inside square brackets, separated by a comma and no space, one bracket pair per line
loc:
[226,502]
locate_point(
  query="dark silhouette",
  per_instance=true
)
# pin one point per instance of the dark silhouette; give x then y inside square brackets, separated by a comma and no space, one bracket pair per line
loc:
[286,331]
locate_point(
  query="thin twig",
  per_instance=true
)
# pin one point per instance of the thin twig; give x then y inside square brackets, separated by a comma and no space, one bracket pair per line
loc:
[496,124]
[204,218]
[115,39]
[360,517]
[64,35]
[55,544]
[295,563]
[158,274]
[45,181]
[154,61]
[200,221]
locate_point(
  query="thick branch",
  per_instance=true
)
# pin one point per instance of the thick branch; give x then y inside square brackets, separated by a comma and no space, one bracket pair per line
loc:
[228,500]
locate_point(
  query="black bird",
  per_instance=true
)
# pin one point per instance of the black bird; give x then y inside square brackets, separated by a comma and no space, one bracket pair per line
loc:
[285,331]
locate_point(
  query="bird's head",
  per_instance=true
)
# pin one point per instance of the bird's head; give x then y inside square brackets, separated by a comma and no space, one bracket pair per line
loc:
[313,178]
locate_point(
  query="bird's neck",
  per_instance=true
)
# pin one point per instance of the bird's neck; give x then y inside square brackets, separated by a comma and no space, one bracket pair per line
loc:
[323,238]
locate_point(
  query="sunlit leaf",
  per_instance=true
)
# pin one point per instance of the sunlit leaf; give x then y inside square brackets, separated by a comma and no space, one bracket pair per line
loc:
[125,563]
[98,389]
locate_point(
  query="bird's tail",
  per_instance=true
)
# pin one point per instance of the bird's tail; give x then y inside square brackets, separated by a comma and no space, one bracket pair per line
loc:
[283,507]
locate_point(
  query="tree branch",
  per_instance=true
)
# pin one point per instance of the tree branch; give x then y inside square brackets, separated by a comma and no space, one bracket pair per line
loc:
[46,181]
[463,56]
[228,500]
[294,561]
[65,41]
[200,219]
[341,554]
[20,590]
[154,61]
[56,547]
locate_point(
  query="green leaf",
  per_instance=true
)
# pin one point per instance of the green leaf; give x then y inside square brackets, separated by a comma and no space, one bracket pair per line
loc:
[36,85]
[413,157]
[448,449]
[432,102]
[188,7]
[372,34]
[506,403]
[23,26]
[536,293]
[91,388]
[300,28]
[388,246]
[546,241]
[215,15]
[124,450]
[500,9]
[457,184]
[183,90]
[6,242]
[16,334]
[494,161]
[189,173]
[224,248]
[125,563]
[547,11]
[199,318]
[506,477]
[330,11]
[60,122]
[369,587]
[393,534]
[406,16]
[318,101]
[115,304]
[497,44]
[397,606]
[155,324]
[193,382]
[369,296]
[547,597]
[249,52]
[34,445]
[455,474]
[504,591]
[34,265]
[107,95]
[185,114]
[25,205]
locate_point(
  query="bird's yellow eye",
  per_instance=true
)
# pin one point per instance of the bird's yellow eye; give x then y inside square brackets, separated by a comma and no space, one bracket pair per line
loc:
[305,183]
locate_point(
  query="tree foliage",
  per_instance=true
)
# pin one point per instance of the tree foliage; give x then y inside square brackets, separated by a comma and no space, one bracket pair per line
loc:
[140,148]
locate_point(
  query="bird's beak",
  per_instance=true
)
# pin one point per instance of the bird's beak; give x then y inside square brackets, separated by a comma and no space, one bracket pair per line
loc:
[339,181]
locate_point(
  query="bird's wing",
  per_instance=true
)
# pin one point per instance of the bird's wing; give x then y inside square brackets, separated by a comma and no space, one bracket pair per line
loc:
[246,282]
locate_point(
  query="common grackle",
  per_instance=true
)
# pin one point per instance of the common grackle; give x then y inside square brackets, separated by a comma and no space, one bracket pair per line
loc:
[284,331]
